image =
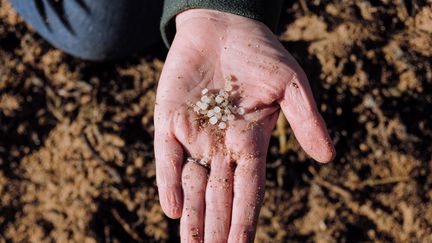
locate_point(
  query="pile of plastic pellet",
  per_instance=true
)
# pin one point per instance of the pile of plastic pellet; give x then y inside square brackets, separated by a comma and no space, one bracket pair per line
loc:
[217,109]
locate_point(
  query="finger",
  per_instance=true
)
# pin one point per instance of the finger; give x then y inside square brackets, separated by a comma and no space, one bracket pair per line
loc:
[301,112]
[218,200]
[169,159]
[194,181]
[249,178]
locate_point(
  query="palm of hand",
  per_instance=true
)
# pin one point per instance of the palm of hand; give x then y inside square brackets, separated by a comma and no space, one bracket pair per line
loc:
[206,49]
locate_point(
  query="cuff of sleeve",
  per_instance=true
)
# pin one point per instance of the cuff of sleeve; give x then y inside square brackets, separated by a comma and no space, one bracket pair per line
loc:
[262,10]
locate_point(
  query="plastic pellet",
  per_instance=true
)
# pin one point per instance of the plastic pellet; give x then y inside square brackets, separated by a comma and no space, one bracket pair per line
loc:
[206,99]
[241,111]
[210,113]
[222,125]
[213,120]
[204,106]
[219,99]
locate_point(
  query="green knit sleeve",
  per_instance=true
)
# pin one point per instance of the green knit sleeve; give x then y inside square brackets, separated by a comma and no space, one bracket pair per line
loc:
[266,11]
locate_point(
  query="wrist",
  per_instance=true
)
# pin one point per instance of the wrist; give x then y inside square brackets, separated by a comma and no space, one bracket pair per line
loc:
[264,11]
[207,19]
[205,15]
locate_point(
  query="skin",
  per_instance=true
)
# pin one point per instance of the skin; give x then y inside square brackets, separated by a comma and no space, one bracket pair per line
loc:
[223,206]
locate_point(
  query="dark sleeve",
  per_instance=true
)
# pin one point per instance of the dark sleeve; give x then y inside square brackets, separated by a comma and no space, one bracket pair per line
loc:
[266,11]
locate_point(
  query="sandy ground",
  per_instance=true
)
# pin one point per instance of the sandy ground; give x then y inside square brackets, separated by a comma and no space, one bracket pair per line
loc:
[76,152]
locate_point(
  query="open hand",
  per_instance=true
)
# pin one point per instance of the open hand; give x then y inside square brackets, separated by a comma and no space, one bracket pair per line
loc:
[209,46]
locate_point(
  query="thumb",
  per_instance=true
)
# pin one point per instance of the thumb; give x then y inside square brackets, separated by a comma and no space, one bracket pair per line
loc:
[302,114]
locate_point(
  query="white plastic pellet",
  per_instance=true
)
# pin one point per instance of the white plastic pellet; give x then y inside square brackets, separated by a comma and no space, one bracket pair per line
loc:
[241,111]
[213,120]
[196,108]
[204,91]
[204,106]
[206,99]
[222,125]
[217,109]
[224,118]
[210,113]
[231,117]
[219,99]
[228,87]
